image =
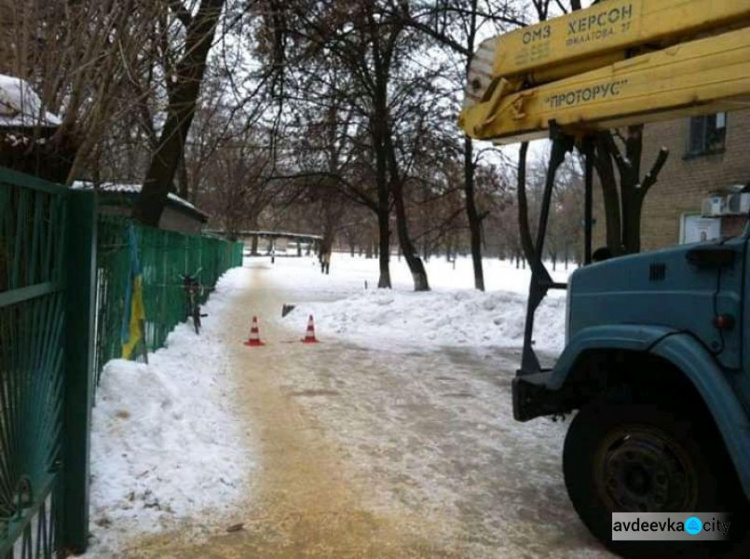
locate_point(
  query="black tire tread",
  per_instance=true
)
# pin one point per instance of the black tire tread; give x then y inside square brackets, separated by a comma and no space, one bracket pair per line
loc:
[719,487]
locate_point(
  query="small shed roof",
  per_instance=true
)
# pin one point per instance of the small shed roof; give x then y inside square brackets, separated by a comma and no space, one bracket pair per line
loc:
[132,190]
[277,234]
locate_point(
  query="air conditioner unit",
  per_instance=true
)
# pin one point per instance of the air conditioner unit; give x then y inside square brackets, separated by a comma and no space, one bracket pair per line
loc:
[738,203]
[714,205]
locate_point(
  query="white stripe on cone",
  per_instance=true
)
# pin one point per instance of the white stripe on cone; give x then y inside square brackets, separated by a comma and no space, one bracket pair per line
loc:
[310,333]
[254,339]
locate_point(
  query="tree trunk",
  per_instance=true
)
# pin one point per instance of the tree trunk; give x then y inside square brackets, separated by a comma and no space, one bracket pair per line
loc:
[606,171]
[183,180]
[379,132]
[631,225]
[527,242]
[384,281]
[384,248]
[418,272]
[475,220]
[183,95]
[624,206]
[416,266]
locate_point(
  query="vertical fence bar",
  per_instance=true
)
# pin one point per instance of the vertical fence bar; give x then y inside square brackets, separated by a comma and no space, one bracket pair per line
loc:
[79,345]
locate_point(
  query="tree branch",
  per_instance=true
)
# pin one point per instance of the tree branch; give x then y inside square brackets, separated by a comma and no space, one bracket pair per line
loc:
[653,175]
[181,12]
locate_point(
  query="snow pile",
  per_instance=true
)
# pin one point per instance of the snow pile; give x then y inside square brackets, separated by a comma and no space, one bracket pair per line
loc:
[21,106]
[166,443]
[452,314]
[425,321]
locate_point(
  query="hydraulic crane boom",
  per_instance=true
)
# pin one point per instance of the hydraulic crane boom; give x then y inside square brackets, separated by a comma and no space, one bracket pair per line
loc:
[617,63]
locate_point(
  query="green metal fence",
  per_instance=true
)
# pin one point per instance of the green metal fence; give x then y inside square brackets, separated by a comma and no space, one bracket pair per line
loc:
[61,289]
[34,367]
[164,255]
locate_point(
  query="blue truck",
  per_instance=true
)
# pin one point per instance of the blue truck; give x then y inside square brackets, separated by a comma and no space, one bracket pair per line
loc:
[654,363]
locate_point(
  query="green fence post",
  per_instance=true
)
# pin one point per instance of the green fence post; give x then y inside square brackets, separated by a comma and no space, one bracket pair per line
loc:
[79,345]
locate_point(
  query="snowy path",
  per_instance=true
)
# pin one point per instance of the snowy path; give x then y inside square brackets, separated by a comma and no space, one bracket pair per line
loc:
[364,452]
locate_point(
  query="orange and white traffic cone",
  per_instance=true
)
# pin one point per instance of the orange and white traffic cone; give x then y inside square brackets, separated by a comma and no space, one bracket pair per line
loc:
[254,339]
[310,334]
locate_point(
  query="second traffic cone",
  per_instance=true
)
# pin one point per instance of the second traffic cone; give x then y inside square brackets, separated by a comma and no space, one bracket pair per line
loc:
[254,339]
[310,333]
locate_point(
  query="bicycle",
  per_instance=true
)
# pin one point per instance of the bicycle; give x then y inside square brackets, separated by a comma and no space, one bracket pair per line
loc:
[193,290]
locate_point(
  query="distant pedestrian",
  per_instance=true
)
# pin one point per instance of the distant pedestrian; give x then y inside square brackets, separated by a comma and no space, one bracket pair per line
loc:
[325,262]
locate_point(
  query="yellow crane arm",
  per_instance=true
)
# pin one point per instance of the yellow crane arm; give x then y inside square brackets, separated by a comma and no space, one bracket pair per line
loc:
[616,63]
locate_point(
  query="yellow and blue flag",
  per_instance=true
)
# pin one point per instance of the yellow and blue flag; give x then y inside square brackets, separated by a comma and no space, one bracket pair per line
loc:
[134,317]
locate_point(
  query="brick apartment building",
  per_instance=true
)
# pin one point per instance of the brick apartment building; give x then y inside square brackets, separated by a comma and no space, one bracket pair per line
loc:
[708,155]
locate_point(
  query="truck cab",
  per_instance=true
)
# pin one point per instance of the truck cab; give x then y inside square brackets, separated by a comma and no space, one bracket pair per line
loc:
[655,370]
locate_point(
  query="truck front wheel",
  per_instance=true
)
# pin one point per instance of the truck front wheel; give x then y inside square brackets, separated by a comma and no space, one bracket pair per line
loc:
[637,457]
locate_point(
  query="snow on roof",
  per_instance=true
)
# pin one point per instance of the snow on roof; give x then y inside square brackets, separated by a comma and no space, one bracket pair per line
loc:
[130,189]
[280,234]
[21,106]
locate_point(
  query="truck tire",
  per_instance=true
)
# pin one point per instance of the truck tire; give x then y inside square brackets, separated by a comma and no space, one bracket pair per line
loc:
[640,457]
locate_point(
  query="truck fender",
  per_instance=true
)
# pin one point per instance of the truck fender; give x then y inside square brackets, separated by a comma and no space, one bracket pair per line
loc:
[697,364]
[619,336]
[687,355]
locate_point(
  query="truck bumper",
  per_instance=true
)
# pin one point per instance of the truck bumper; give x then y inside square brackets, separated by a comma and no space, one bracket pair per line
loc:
[532,398]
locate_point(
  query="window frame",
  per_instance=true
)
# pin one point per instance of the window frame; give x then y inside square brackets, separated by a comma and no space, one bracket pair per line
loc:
[712,130]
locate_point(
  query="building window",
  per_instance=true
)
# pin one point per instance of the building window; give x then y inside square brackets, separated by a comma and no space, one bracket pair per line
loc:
[707,134]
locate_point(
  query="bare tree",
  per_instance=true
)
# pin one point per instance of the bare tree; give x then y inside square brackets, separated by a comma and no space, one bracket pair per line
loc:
[456,25]
[183,80]
[623,199]
[80,57]
[375,51]
[621,150]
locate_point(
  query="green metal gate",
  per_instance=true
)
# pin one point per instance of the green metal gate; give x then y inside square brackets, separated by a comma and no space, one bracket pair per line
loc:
[43,367]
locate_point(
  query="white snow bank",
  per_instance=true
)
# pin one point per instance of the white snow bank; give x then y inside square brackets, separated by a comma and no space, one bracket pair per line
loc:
[166,445]
[397,320]
[21,106]
[453,314]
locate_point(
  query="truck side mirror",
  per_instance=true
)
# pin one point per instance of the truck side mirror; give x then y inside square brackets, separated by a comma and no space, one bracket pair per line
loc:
[716,256]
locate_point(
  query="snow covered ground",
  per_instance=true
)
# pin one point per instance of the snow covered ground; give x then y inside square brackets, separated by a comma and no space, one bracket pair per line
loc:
[173,450]
[423,425]
[166,445]
[452,314]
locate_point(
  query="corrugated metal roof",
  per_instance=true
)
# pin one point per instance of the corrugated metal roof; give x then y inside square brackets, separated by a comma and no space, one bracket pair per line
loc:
[125,188]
